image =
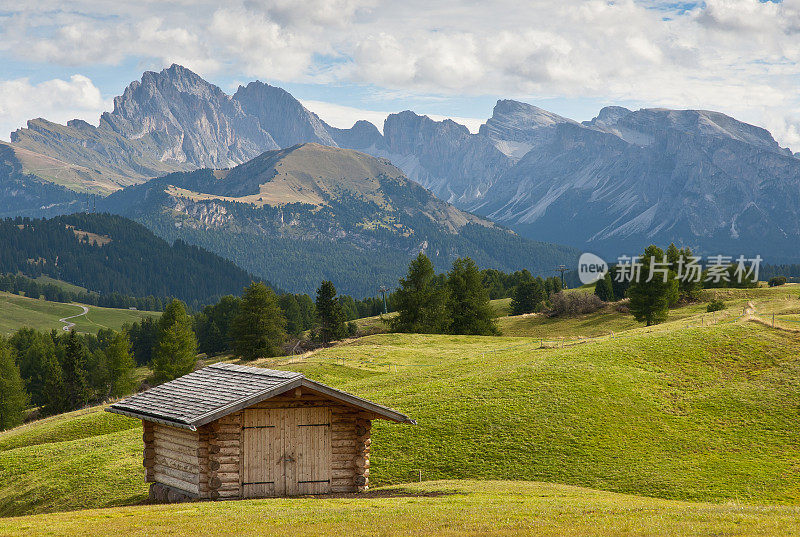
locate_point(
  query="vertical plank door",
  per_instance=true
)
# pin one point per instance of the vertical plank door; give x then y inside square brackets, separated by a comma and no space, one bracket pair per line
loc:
[261,450]
[312,450]
[286,452]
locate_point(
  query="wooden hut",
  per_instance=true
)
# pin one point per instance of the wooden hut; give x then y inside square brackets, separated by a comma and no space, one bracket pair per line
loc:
[229,431]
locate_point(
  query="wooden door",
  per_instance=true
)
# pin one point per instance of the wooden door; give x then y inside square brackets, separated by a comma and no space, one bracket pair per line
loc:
[286,451]
[308,444]
[262,447]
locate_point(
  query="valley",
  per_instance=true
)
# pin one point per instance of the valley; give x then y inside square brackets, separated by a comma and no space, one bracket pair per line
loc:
[20,311]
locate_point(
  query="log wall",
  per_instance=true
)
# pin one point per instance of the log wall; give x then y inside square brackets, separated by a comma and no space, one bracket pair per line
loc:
[173,459]
[207,463]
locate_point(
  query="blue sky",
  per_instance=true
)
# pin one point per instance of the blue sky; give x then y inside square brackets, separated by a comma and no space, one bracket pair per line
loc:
[351,59]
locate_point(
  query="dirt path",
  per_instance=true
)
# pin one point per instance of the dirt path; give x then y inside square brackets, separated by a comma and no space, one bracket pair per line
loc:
[67,324]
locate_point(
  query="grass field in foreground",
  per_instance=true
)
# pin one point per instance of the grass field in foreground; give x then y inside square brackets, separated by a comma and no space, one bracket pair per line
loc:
[19,311]
[444,508]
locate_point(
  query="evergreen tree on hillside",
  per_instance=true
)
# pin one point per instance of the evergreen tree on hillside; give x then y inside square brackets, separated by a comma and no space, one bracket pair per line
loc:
[175,351]
[528,297]
[420,301]
[259,329]
[73,363]
[468,301]
[688,288]
[53,395]
[213,325]
[98,374]
[143,336]
[330,313]
[291,310]
[13,398]
[604,288]
[619,285]
[650,300]
[121,367]
[308,310]
[34,351]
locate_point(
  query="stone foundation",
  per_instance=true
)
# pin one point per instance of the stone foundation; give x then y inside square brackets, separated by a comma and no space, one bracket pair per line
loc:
[164,494]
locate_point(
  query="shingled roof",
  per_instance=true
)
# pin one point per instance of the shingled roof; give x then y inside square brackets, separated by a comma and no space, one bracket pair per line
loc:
[208,394]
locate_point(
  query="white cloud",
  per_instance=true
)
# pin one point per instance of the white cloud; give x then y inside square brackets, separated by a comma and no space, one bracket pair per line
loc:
[57,100]
[741,57]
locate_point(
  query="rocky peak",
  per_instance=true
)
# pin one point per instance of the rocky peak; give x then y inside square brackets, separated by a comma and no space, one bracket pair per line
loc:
[608,117]
[516,127]
[515,120]
[650,123]
[190,120]
[362,135]
[281,115]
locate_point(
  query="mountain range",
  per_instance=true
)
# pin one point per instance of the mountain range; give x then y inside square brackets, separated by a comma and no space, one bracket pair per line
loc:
[311,212]
[610,185]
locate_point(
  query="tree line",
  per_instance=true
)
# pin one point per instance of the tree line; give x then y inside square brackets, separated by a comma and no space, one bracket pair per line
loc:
[61,371]
[22,285]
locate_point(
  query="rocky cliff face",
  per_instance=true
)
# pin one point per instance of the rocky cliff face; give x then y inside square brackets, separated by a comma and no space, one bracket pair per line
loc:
[173,121]
[189,120]
[629,178]
[280,114]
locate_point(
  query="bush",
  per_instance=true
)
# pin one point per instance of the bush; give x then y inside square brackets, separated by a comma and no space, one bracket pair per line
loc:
[715,305]
[575,303]
[775,281]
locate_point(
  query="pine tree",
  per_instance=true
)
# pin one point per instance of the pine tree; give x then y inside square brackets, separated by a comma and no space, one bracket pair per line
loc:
[53,396]
[468,301]
[330,313]
[259,329]
[604,289]
[420,301]
[73,364]
[175,352]
[121,367]
[213,325]
[649,301]
[13,398]
[34,355]
[292,313]
[528,297]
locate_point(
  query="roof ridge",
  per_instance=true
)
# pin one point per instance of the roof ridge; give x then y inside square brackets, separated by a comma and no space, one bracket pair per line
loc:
[263,371]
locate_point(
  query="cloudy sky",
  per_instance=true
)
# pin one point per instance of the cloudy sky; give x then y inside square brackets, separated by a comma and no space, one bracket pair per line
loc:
[350,59]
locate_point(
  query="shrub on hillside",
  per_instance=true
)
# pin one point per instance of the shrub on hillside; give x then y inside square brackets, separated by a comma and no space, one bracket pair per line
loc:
[715,305]
[575,303]
[775,281]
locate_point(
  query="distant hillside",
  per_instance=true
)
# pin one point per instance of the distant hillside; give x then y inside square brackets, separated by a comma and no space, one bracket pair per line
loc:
[25,194]
[111,254]
[312,212]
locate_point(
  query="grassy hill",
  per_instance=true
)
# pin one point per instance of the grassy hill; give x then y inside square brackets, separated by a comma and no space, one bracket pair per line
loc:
[686,410]
[19,311]
[442,508]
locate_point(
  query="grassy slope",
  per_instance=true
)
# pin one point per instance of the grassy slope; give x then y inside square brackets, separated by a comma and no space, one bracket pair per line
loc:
[497,508]
[18,311]
[698,413]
